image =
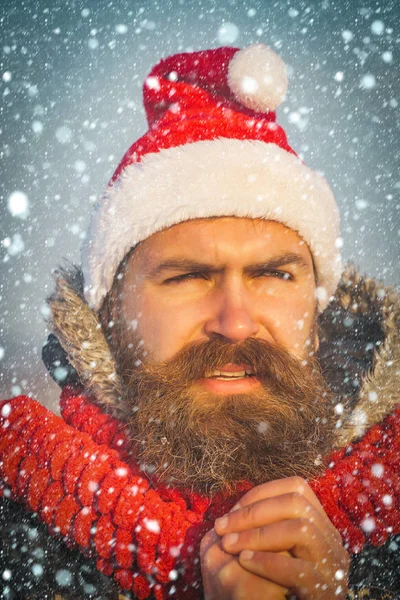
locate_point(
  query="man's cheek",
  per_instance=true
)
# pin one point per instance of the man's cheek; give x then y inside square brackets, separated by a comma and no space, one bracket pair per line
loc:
[157,337]
[166,331]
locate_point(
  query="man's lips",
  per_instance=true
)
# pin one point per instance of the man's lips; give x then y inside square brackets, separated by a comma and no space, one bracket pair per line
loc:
[234,385]
[231,378]
[232,370]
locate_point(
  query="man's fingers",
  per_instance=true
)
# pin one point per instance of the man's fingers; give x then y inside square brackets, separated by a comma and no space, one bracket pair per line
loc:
[297,575]
[279,487]
[240,584]
[272,510]
[298,536]
[291,505]
[225,579]
[213,557]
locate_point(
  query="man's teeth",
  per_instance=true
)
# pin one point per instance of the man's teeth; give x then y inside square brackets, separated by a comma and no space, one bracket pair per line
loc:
[230,374]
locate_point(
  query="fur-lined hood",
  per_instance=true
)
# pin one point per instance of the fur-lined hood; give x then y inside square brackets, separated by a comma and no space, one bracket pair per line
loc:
[359,349]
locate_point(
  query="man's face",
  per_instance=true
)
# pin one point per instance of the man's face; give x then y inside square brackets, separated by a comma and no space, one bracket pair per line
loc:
[227,278]
[214,336]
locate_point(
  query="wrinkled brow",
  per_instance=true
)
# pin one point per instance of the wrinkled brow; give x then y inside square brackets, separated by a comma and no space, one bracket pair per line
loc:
[187,265]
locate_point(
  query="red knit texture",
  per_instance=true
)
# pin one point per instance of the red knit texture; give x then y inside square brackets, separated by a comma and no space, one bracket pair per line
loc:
[144,537]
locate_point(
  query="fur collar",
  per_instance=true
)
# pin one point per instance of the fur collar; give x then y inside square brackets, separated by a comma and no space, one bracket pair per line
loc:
[359,350]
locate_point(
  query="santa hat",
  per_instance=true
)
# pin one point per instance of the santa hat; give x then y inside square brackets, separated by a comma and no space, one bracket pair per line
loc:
[213,149]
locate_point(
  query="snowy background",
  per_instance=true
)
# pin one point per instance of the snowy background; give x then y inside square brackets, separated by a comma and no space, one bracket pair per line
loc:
[72,73]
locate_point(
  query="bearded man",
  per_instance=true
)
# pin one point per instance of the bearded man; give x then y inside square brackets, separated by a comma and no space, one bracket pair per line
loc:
[229,424]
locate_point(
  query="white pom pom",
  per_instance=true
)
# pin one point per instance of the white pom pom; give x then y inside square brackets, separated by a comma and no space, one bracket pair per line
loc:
[257,76]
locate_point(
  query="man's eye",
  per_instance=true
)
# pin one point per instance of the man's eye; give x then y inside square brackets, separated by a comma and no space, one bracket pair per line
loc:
[185,277]
[278,274]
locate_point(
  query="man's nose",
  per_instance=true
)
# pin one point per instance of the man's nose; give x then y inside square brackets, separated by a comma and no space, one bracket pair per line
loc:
[232,316]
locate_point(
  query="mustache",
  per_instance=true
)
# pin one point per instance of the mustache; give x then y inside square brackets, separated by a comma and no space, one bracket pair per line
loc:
[271,363]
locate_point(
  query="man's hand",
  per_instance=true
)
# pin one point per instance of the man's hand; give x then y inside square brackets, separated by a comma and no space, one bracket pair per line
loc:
[225,579]
[278,538]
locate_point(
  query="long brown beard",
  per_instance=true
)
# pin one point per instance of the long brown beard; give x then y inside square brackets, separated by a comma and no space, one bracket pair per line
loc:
[189,437]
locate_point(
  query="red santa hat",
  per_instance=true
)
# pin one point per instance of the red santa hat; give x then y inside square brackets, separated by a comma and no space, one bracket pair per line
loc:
[213,149]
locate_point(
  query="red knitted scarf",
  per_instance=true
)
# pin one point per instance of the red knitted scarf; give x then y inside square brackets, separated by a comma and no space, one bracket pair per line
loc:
[77,474]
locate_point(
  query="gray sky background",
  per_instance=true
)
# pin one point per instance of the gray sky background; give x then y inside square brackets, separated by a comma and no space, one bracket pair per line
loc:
[72,73]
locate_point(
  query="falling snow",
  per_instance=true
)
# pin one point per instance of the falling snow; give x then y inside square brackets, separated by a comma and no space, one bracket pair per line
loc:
[368,525]
[6,410]
[377,470]
[368,82]
[152,525]
[121,28]
[228,33]
[387,56]
[63,134]
[37,127]
[347,35]
[15,245]
[64,578]
[377,27]
[18,204]
[71,105]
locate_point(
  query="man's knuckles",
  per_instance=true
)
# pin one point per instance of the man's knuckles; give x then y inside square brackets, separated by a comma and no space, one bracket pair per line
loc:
[300,574]
[297,505]
[297,484]
[282,570]
[275,488]
[275,537]
[302,528]
[288,506]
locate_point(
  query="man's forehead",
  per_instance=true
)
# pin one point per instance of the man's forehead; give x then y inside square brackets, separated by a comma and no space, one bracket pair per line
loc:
[218,238]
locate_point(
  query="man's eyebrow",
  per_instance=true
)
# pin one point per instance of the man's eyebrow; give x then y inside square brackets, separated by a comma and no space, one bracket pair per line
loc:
[181,264]
[190,265]
[280,260]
